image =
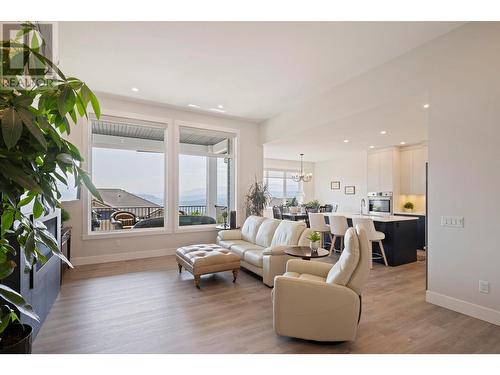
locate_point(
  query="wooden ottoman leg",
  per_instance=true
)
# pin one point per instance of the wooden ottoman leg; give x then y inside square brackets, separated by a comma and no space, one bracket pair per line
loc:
[180,267]
[235,274]
[197,281]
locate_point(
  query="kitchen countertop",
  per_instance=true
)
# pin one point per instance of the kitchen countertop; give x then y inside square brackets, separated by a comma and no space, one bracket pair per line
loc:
[382,219]
[416,213]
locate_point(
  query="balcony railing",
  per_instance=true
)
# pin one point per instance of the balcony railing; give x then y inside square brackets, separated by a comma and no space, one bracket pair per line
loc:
[104,218]
[190,210]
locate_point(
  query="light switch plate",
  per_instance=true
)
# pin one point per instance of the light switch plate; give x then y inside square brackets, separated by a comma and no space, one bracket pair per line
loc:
[452,221]
[484,287]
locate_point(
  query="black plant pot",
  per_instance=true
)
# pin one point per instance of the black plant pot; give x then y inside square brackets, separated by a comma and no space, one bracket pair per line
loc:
[16,339]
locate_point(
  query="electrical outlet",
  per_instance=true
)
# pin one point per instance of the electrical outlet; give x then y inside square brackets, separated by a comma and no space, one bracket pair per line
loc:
[452,221]
[484,287]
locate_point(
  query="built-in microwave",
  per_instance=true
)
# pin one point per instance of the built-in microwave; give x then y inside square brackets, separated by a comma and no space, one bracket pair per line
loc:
[380,203]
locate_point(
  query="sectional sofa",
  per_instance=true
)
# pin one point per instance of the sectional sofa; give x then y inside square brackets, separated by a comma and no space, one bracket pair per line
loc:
[261,243]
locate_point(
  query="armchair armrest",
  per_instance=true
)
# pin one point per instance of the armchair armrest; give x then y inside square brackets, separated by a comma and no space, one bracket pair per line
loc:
[275,250]
[311,267]
[232,234]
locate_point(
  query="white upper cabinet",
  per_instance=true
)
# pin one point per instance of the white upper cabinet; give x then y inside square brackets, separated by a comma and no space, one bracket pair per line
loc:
[413,161]
[383,170]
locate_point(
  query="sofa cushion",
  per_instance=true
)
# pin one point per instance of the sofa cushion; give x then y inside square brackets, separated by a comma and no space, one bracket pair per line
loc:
[305,276]
[288,233]
[227,244]
[342,271]
[254,257]
[250,228]
[266,232]
[240,249]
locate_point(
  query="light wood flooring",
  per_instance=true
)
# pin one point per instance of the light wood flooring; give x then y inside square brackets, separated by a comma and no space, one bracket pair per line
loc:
[145,306]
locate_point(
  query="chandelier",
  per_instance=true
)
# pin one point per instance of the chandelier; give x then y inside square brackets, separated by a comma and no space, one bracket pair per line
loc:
[306,177]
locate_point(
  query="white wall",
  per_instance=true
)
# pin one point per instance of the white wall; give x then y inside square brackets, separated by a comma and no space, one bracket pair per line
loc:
[350,169]
[109,249]
[291,165]
[458,74]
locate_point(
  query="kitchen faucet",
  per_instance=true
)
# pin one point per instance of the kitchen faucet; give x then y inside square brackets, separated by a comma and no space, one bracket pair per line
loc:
[363,205]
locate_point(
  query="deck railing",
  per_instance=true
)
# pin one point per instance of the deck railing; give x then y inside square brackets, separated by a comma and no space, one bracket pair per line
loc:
[102,221]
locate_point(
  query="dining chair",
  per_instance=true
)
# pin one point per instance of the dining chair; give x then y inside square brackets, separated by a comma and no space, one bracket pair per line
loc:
[318,224]
[277,212]
[373,235]
[338,228]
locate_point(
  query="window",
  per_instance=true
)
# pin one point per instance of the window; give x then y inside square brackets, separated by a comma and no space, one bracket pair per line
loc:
[128,169]
[206,175]
[280,184]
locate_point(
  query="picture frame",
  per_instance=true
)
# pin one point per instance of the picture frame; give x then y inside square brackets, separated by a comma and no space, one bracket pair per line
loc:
[350,190]
[335,185]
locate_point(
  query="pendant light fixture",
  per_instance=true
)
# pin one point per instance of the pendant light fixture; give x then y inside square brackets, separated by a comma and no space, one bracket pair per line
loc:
[306,177]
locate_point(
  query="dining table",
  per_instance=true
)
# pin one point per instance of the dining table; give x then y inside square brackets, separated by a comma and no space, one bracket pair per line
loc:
[294,216]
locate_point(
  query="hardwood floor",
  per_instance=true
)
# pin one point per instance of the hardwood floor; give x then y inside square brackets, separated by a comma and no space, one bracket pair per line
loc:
[145,306]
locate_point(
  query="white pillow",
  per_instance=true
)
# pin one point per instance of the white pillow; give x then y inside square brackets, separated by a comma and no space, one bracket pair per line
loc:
[342,271]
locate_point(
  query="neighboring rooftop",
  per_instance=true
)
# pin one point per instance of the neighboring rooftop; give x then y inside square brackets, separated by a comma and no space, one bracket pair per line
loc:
[121,198]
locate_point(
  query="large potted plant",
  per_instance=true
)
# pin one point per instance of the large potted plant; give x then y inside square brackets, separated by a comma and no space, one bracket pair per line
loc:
[37,104]
[257,198]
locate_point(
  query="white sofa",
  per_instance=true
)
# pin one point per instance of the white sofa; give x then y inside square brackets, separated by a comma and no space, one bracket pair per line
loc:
[322,302]
[261,243]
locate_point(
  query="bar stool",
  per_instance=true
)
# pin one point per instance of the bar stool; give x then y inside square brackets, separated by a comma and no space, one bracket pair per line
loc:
[372,234]
[338,227]
[317,223]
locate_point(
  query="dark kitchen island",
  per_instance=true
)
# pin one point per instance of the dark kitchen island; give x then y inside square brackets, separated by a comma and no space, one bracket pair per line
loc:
[401,236]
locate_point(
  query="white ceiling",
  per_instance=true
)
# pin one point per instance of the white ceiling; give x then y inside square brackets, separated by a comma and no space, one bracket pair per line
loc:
[404,121]
[255,70]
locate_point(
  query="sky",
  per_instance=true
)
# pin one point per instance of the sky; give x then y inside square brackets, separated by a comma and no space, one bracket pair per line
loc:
[143,173]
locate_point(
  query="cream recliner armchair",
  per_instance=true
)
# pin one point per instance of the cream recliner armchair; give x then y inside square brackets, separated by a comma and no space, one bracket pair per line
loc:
[318,301]
[261,242]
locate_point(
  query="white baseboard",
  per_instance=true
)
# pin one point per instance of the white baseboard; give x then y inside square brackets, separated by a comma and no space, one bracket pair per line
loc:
[464,307]
[106,258]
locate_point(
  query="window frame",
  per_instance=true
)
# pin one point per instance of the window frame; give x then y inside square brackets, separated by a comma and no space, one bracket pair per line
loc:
[134,119]
[171,173]
[233,155]
[285,172]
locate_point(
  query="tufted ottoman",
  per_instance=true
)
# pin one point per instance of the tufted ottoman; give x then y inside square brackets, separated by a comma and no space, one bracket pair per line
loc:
[206,258]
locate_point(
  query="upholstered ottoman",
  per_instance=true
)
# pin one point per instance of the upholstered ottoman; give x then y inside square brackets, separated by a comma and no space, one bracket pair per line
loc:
[206,258]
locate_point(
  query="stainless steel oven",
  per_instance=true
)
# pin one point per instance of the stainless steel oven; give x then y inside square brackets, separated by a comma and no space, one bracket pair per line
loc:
[380,203]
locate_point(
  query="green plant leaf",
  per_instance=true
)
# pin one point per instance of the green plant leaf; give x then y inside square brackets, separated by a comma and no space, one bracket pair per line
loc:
[6,268]
[7,221]
[37,209]
[88,183]
[95,105]
[18,301]
[12,127]
[48,240]
[25,200]
[65,158]
[28,119]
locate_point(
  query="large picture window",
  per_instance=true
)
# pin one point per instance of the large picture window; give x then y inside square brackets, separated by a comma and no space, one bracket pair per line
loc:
[206,175]
[280,184]
[128,169]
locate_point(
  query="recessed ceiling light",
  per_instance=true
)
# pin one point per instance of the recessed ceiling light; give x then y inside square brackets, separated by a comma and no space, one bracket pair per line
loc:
[217,110]
[193,105]
[383,132]
[426,105]
[220,106]
[135,89]
[372,146]
[346,141]
[402,143]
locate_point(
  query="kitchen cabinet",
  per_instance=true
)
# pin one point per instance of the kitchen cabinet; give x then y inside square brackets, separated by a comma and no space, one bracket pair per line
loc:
[383,170]
[412,174]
